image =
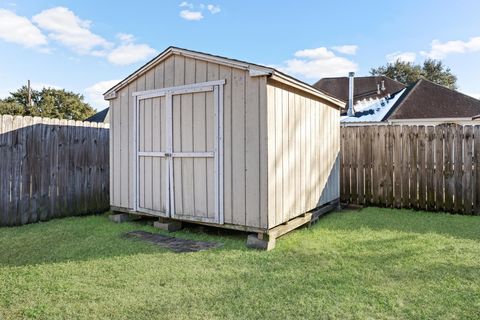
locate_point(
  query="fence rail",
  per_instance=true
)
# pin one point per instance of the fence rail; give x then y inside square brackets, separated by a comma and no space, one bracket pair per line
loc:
[435,168]
[51,168]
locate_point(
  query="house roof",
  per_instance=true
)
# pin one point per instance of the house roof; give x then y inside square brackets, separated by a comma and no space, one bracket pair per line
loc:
[364,87]
[99,116]
[254,70]
[426,99]
[373,110]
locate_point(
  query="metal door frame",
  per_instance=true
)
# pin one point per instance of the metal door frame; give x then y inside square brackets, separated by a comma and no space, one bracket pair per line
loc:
[217,154]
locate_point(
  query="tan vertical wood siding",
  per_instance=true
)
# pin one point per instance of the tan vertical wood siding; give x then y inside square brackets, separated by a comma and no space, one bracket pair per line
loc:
[245,137]
[303,149]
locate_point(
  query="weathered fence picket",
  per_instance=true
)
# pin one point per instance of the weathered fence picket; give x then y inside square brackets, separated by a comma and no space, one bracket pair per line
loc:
[51,168]
[435,168]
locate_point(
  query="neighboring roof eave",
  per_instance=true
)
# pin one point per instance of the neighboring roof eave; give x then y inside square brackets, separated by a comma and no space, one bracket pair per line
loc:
[254,70]
[451,119]
[359,124]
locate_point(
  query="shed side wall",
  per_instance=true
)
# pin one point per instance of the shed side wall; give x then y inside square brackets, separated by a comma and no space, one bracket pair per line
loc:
[245,142]
[303,152]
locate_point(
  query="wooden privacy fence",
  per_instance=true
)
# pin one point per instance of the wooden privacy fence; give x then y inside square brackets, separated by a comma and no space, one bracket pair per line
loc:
[435,168]
[51,168]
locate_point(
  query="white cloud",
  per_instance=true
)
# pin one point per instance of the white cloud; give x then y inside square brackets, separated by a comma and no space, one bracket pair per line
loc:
[20,30]
[130,53]
[440,50]
[318,63]
[213,9]
[73,32]
[67,28]
[191,15]
[346,49]
[402,56]
[186,4]
[317,53]
[64,26]
[125,37]
[193,12]
[94,93]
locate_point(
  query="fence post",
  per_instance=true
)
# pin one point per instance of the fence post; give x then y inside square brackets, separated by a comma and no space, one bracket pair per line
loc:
[458,169]
[397,163]
[430,168]
[360,155]
[422,185]
[468,170]
[388,166]
[476,158]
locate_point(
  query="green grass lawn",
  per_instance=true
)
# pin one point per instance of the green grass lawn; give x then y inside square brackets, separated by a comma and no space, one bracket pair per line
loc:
[373,263]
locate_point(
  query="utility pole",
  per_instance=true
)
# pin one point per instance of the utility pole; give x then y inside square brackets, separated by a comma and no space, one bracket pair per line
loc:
[29,94]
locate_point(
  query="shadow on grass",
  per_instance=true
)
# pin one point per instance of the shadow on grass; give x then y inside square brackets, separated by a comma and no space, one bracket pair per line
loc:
[91,238]
[422,222]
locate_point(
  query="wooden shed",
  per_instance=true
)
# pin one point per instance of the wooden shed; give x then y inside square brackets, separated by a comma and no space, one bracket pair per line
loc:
[201,138]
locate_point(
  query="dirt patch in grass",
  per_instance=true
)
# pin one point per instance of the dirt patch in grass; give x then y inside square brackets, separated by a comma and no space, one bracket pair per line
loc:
[175,244]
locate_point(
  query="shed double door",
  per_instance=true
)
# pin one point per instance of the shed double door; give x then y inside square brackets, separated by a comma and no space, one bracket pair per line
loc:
[178,144]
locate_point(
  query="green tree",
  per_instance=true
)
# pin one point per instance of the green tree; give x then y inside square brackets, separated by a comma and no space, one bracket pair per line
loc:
[408,72]
[435,71]
[48,102]
[11,107]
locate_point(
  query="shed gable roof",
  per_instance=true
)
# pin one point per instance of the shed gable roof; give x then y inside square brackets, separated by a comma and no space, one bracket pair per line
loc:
[252,68]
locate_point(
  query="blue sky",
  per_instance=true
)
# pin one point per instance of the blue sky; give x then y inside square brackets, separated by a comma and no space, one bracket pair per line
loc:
[85,46]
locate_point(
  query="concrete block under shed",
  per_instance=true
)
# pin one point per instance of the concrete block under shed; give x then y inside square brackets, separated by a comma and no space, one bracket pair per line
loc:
[119,217]
[170,226]
[262,244]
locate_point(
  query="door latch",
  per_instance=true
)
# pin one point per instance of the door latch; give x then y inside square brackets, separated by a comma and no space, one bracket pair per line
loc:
[168,154]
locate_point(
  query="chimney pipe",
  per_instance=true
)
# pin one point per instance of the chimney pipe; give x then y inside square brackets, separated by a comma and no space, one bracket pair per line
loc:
[383,85]
[378,88]
[350,111]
